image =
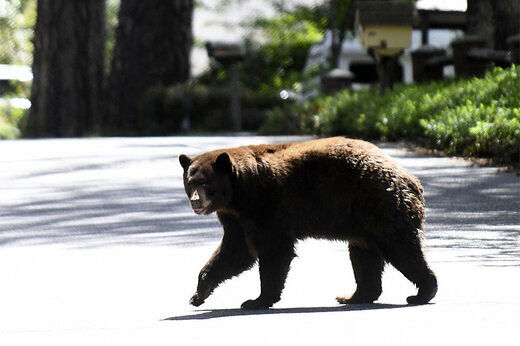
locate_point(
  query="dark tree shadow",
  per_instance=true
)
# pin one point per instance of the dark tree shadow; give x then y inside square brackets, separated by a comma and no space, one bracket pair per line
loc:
[472,212]
[219,313]
[100,211]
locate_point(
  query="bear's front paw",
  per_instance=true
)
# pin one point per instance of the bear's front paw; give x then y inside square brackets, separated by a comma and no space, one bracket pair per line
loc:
[255,304]
[196,300]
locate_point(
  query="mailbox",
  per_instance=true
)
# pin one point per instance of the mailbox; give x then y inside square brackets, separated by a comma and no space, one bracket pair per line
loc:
[385,27]
[226,52]
[229,54]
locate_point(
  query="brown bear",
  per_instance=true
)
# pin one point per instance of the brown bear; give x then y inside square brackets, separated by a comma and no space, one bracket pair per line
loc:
[269,196]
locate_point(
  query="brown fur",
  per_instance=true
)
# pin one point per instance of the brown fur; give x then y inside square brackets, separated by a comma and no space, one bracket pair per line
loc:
[269,196]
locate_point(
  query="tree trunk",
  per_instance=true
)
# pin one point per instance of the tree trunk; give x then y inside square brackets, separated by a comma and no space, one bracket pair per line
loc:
[480,20]
[68,67]
[153,45]
[494,21]
[341,20]
[507,21]
[335,44]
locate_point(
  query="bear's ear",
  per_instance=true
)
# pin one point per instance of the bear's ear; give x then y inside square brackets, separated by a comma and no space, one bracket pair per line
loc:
[223,163]
[185,161]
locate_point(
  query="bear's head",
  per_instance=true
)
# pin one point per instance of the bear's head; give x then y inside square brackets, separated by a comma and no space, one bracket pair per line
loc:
[207,181]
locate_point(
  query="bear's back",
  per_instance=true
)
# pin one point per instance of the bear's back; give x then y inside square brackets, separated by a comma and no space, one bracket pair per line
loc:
[282,158]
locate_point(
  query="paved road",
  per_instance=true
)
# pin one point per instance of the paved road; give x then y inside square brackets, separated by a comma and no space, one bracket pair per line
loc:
[98,246]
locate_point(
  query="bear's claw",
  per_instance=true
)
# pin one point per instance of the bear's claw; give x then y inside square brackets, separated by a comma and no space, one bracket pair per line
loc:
[355,300]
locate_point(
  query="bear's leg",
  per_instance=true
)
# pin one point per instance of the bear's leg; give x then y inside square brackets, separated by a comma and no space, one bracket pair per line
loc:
[368,267]
[407,257]
[274,266]
[232,257]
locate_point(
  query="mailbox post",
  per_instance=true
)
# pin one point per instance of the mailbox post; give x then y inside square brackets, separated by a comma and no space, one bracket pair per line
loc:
[229,55]
[385,30]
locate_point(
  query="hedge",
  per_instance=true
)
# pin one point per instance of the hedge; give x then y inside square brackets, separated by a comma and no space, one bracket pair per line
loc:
[163,109]
[10,119]
[470,117]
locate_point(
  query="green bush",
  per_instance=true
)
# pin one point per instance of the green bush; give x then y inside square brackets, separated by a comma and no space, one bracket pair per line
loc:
[282,53]
[276,51]
[10,121]
[294,118]
[163,109]
[471,117]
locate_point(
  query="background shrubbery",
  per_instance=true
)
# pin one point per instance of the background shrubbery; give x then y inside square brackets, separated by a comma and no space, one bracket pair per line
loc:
[276,52]
[10,120]
[475,117]
[163,109]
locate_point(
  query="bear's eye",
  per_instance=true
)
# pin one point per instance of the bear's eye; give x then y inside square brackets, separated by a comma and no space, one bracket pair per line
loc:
[208,189]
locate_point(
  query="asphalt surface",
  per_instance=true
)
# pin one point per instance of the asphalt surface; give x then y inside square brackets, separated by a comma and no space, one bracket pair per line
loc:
[98,246]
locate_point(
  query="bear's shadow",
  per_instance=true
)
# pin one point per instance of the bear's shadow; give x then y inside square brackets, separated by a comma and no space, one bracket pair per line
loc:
[218,313]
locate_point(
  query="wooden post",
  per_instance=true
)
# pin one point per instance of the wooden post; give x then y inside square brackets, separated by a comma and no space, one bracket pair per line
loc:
[385,71]
[235,97]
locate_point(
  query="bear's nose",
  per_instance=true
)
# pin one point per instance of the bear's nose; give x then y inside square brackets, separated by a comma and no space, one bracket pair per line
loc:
[195,200]
[195,196]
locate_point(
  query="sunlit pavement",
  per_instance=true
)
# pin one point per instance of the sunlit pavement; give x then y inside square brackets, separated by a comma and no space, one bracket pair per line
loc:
[98,246]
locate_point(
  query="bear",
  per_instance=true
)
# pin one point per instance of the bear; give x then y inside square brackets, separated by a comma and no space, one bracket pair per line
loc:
[267,197]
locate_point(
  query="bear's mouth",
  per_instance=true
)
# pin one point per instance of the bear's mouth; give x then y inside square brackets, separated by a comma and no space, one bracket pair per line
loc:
[198,211]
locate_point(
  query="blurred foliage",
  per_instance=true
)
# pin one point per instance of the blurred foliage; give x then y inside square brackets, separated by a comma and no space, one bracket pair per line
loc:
[163,110]
[11,119]
[278,47]
[17,19]
[112,20]
[276,52]
[14,88]
[471,117]
[293,119]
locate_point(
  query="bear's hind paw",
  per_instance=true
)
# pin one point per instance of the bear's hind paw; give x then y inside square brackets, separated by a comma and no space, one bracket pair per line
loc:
[354,300]
[255,304]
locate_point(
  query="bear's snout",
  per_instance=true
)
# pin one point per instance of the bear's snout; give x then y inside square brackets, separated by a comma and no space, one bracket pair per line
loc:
[197,201]
[196,300]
